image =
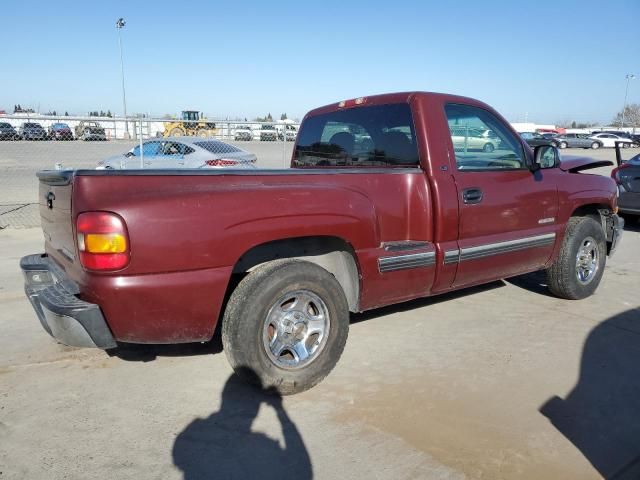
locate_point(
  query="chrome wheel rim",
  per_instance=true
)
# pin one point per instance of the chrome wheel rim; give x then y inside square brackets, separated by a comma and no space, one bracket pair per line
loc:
[296,329]
[587,260]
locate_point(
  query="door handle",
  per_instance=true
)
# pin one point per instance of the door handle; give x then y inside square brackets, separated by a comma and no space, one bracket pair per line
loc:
[471,195]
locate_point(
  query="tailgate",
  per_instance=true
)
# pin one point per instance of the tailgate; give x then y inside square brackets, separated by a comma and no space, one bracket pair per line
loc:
[55,214]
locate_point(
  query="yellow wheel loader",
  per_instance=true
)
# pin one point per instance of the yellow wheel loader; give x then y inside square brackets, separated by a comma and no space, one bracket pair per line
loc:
[192,123]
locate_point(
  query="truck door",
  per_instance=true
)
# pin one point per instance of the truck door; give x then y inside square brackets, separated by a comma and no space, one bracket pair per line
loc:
[508,214]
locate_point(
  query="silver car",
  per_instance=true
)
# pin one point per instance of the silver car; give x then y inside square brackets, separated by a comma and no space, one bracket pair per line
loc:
[182,152]
[576,140]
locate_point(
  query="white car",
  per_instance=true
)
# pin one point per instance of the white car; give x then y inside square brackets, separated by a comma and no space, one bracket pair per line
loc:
[474,139]
[291,132]
[244,133]
[181,152]
[609,139]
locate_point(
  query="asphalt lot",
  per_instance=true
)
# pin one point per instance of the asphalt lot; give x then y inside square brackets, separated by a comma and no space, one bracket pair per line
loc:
[501,381]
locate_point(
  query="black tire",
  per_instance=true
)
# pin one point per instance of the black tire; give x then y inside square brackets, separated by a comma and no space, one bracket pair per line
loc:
[245,319]
[562,144]
[488,148]
[595,145]
[562,276]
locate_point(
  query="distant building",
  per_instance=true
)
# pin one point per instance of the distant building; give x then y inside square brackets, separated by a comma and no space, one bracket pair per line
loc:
[536,127]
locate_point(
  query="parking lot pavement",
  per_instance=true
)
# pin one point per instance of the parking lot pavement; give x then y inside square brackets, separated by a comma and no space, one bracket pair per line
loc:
[500,382]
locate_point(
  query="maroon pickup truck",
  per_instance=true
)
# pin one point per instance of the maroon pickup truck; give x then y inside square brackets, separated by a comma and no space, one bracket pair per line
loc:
[388,198]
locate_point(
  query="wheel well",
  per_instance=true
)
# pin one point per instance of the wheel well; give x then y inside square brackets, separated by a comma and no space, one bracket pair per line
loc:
[591,210]
[600,213]
[331,253]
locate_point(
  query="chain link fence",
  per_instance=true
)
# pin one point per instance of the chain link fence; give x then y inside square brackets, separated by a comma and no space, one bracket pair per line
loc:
[29,143]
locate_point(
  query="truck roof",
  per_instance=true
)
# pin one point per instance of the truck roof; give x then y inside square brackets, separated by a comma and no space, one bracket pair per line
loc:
[399,97]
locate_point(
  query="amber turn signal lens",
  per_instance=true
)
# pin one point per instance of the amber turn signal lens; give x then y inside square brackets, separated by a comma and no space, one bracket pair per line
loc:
[105,243]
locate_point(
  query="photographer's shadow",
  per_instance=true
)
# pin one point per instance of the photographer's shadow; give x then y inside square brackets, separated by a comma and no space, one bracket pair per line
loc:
[222,446]
[601,415]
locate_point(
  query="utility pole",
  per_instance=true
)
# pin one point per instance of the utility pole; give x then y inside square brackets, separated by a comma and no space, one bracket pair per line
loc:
[629,77]
[119,26]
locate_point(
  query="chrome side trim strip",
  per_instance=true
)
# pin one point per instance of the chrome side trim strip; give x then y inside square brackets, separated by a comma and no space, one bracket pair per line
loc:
[481,251]
[403,245]
[451,256]
[402,262]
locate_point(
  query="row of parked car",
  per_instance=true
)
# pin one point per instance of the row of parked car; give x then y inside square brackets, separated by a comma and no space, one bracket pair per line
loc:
[55,131]
[597,139]
[266,133]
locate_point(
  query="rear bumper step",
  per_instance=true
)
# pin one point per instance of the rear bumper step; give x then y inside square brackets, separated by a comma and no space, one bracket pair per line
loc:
[62,314]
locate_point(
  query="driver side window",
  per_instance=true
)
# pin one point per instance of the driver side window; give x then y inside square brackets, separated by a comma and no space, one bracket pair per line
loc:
[481,141]
[149,149]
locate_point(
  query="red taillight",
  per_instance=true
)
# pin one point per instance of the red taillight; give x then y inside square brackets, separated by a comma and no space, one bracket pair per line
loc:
[615,175]
[103,242]
[221,162]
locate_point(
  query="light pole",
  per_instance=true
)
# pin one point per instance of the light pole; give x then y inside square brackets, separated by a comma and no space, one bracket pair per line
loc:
[629,77]
[119,26]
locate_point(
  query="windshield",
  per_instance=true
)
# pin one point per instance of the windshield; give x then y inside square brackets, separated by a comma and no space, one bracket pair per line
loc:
[362,136]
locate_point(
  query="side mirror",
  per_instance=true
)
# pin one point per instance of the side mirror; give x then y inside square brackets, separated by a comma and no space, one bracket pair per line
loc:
[545,156]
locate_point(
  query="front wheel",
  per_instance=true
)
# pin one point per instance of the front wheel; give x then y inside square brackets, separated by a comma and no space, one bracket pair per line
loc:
[562,144]
[287,324]
[595,145]
[577,271]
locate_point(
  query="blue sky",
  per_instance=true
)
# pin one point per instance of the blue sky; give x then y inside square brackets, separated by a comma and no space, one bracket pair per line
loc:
[548,60]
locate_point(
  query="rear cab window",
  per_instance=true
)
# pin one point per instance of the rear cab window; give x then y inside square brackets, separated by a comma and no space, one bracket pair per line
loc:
[369,136]
[214,146]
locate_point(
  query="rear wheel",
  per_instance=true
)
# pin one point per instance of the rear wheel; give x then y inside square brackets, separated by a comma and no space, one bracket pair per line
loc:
[562,144]
[595,145]
[287,322]
[203,133]
[577,271]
